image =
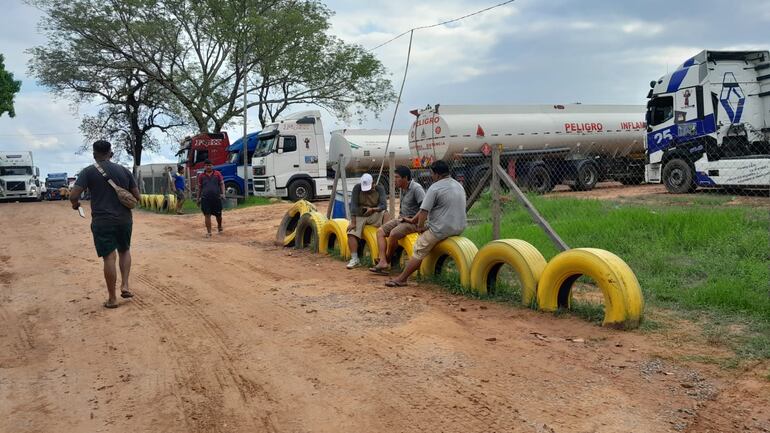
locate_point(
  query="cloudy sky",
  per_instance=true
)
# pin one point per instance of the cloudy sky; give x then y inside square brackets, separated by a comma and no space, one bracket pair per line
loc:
[527,52]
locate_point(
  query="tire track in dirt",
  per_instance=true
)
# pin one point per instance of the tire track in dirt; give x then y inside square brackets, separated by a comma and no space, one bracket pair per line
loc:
[248,389]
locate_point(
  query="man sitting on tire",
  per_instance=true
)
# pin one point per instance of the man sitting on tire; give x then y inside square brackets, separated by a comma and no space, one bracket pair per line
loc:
[444,209]
[367,207]
[396,229]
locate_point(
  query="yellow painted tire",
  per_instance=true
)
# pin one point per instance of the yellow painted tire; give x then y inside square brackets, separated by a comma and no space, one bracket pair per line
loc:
[309,231]
[142,200]
[525,259]
[623,300]
[460,249]
[370,243]
[334,232]
[158,202]
[287,230]
[170,203]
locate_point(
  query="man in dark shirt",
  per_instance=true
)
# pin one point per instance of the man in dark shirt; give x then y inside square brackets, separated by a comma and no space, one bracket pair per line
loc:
[111,222]
[211,192]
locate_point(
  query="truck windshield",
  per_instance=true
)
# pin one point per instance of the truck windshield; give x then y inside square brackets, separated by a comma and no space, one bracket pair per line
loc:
[660,110]
[183,156]
[265,145]
[15,171]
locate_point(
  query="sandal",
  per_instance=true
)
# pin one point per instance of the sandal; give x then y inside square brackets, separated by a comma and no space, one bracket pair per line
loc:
[107,304]
[394,283]
[126,294]
[380,271]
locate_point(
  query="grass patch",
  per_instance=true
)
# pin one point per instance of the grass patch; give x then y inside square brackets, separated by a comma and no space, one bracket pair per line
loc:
[689,253]
[190,206]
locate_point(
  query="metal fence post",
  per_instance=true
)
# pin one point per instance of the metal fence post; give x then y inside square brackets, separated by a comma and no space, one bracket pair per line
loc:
[495,189]
[392,183]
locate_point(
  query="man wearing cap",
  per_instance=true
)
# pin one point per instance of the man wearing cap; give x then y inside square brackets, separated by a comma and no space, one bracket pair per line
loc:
[211,192]
[441,215]
[396,229]
[367,207]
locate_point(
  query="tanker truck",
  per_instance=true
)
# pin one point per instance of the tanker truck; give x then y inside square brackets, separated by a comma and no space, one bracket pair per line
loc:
[291,159]
[543,145]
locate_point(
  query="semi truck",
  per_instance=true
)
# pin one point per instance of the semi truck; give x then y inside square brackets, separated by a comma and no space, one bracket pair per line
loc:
[193,151]
[19,178]
[232,170]
[542,145]
[54,182]
[709,123]
[291,159]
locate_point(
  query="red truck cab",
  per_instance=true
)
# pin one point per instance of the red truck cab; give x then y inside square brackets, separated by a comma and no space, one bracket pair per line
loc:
[193,151]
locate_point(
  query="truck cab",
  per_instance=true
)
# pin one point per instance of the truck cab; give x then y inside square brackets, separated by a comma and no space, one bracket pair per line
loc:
[232,170]
[709,123]
[290,159]
[53,184]
[19,178]
[194,150]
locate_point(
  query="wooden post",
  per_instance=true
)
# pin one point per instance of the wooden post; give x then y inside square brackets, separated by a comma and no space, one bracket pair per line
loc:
[536,217]
[392,184]
[344,179]
[334,191]
[477,191]
[495,189]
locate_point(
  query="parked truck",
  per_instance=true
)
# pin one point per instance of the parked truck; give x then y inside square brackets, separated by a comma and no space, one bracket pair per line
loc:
[19,178]
[291,158]
[232,170]
[193,151]
[709,123]
[543,145]
[55,183]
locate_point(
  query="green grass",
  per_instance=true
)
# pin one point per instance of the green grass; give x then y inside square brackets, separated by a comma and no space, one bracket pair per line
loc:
[189,206]
[689,253]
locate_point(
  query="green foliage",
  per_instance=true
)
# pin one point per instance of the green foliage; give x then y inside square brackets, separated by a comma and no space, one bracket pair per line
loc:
[8,89]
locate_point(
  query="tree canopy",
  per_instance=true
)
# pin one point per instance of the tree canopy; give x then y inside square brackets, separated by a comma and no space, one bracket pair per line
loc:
[201,52]
[8,89]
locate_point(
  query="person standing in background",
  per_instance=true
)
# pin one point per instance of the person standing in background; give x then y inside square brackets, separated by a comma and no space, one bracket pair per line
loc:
[211,192]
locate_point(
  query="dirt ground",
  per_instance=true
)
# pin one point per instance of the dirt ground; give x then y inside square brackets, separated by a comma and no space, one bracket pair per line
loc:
[234,334]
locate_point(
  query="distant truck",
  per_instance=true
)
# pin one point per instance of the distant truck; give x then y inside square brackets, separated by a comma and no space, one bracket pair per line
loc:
[19,178]
[291,157]
[232,169]
[543,145]
[709,123]
[53,184]
[193,151]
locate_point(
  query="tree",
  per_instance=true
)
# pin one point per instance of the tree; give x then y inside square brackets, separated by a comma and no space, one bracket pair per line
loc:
[132,106]
[201,52]
[8,89]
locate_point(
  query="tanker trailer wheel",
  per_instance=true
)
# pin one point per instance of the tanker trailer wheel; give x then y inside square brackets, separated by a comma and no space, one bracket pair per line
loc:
[586,177]
[300,189]
[679,176]
[539,180]
[232,189]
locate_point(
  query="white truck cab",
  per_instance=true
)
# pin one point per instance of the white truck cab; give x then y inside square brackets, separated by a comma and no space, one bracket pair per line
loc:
[709,123]
[290,158]
[19,178]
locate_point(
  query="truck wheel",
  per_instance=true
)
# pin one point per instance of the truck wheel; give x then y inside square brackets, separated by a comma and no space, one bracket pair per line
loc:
[540,180]
[300,190]
[586,177]
[679,176]
[232,188]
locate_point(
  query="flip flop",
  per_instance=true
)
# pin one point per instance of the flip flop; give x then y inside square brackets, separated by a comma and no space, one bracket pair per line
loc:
[379,271]
[108,305]
[393,283]
[126,294]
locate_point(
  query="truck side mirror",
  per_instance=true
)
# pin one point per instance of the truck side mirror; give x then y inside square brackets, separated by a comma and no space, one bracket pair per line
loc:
[37,171]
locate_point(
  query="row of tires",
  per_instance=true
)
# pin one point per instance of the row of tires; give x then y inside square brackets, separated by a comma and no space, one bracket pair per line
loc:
[545,285]
[158,202]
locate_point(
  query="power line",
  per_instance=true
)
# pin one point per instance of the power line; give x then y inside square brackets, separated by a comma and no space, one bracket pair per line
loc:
[443,23]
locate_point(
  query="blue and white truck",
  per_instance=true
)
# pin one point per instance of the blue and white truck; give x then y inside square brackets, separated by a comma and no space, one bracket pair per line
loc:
[232,170]
[709,123]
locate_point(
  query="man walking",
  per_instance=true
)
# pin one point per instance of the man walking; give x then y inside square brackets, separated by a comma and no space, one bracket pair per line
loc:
[211,192]
[111,222]
[367,207]
[396,229]
[444,209]
[179,187]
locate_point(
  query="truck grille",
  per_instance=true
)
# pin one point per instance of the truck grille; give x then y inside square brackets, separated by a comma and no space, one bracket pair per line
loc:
[15,186]
[260,185]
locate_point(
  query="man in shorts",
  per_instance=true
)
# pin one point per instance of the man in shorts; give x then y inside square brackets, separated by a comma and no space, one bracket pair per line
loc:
[211,192]
[367,207]
[179,187]
[444,209]
[396,229]
[111,222]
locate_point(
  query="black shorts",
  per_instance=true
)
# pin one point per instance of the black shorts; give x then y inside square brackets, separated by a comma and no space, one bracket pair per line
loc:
[111,237]
[179,195]
[211,206]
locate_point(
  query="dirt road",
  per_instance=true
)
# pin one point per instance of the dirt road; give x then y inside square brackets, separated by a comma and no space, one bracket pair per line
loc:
[234,334]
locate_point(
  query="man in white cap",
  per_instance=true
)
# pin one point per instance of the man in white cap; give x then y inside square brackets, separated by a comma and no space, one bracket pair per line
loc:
[367,207]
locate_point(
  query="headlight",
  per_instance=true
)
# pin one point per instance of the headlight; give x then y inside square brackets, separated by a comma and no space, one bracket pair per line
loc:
[259,170]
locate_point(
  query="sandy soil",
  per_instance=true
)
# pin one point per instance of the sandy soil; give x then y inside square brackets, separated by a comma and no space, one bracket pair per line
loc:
[235,334]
